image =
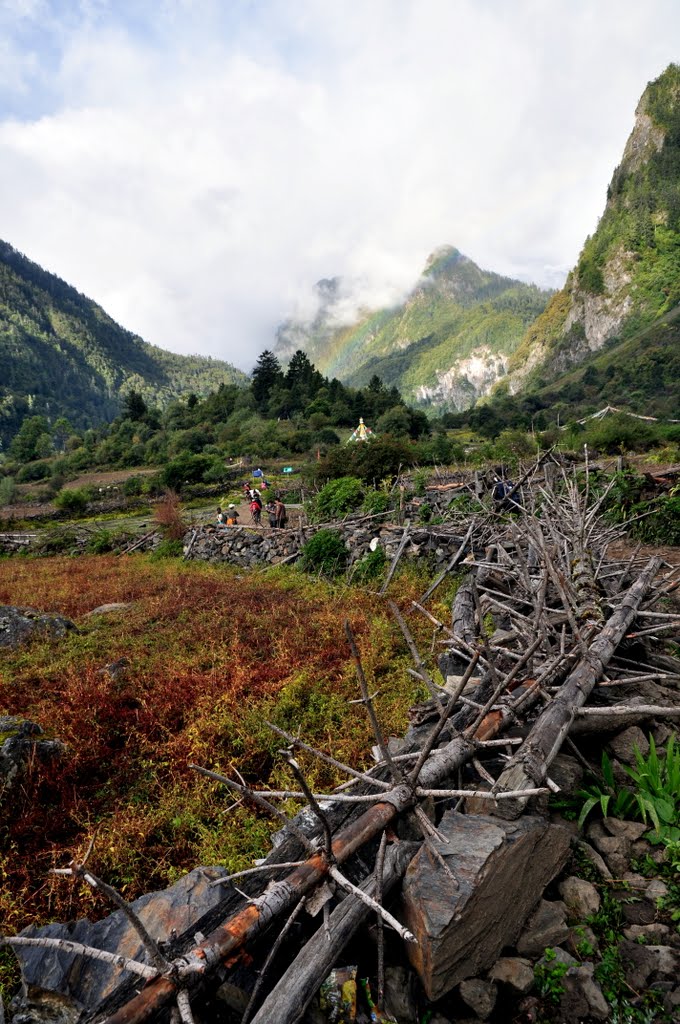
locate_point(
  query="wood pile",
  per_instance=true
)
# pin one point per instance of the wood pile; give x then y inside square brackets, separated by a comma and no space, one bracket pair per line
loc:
[548,638]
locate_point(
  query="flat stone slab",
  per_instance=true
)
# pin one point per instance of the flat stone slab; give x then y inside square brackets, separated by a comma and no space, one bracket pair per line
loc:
[500,869]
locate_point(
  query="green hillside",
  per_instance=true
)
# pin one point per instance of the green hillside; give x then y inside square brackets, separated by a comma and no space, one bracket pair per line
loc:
[628,275]
[444,346]
[61,355]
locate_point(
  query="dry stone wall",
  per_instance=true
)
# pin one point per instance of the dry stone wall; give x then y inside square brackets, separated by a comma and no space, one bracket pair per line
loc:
[244,546]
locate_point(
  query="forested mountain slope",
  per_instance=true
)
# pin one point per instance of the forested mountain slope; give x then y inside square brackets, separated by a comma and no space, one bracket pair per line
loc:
[616,314]
[444,346]
[62,355]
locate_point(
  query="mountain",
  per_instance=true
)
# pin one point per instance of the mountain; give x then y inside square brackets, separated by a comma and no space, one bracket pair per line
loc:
[62,355]
[615,316]
[445,345]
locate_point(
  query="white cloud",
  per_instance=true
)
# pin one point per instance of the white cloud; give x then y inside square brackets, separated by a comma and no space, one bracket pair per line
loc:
[196,167]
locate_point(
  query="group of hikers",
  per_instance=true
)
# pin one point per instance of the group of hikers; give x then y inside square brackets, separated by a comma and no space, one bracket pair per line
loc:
[275,509]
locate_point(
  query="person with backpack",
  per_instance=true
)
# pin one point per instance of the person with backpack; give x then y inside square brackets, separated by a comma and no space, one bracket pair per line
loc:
[232,516]
[255,511]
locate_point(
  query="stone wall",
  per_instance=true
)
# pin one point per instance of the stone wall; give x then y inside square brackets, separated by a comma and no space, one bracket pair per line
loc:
[245,546]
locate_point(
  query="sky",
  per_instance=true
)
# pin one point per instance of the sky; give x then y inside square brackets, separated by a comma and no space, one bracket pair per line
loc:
[195,166]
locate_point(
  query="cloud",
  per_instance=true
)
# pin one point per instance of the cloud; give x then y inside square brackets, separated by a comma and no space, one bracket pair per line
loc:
[196,167]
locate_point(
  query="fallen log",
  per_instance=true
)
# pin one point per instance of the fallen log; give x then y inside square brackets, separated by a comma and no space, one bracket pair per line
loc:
[290,997]
[595,720]
[529,766]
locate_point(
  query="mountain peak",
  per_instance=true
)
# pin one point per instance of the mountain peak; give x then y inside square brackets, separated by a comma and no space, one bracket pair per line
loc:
[442,260]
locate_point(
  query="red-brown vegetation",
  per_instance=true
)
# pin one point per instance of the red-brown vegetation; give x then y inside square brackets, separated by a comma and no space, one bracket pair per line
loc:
[211,653]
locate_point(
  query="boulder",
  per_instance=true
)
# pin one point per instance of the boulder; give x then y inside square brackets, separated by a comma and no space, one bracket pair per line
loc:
[547,926]
[623,745]
[647,964]
[85,983]
[18,625]
[479,995]
[515,971]
[581,898]
[21,741]
[500,869]
[582,997]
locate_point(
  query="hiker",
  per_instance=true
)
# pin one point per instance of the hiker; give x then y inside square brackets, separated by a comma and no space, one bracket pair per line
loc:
[270,509]
[232,516]
[255,511]
[281,514]
[254,495]
[221,518]
[501,495]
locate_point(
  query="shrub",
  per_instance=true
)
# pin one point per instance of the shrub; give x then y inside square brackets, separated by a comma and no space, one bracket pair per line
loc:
[325,553]
[185,469]
[7,490]
[100,543]
[72,500]
[375,502]
[167,548]
[132,487]
[33,471]
[336,498]
[168,516]
[371,567]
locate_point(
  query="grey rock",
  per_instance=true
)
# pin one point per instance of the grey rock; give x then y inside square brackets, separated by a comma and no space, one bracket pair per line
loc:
[22,741]
[86,983]
[581,898]
[18,625]
[624,744]
[567,772]
[109,609]
[631,830]
[583,996]
[400,994]
[500,870]
[479,995]
[547,926]
[654,934]
[646,964]
[595,859]
[515,971]
[656,888]
[559,956]
[616,852]
[582,941]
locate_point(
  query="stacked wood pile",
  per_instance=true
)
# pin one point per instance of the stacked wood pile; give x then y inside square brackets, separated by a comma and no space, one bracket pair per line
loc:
[548,638]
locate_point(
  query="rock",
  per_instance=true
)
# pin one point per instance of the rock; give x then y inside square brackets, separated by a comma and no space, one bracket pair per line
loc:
[400,994]
[566,772]
[21,741]
[500,870]
[479,995]
[514,971]
[645,964]
[640,911]
[656,889]
[36,1007]
[18,625]
[631,830]
[233,997]
[559,956]
[654,934]
[582,997]
[624,744]
[109,609]
[547,926]
[616,852]
[86,983]
[595,859]
[581,898]
[116,669]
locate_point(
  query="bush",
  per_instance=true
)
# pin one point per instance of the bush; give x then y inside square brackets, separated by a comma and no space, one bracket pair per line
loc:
[186,469]
[375,502]
[33,471]
[336,498]
[132,487]
[371,567]
[167,549]
[100,543]
[74,500]
[325,553]
[7,490]
[168,516]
